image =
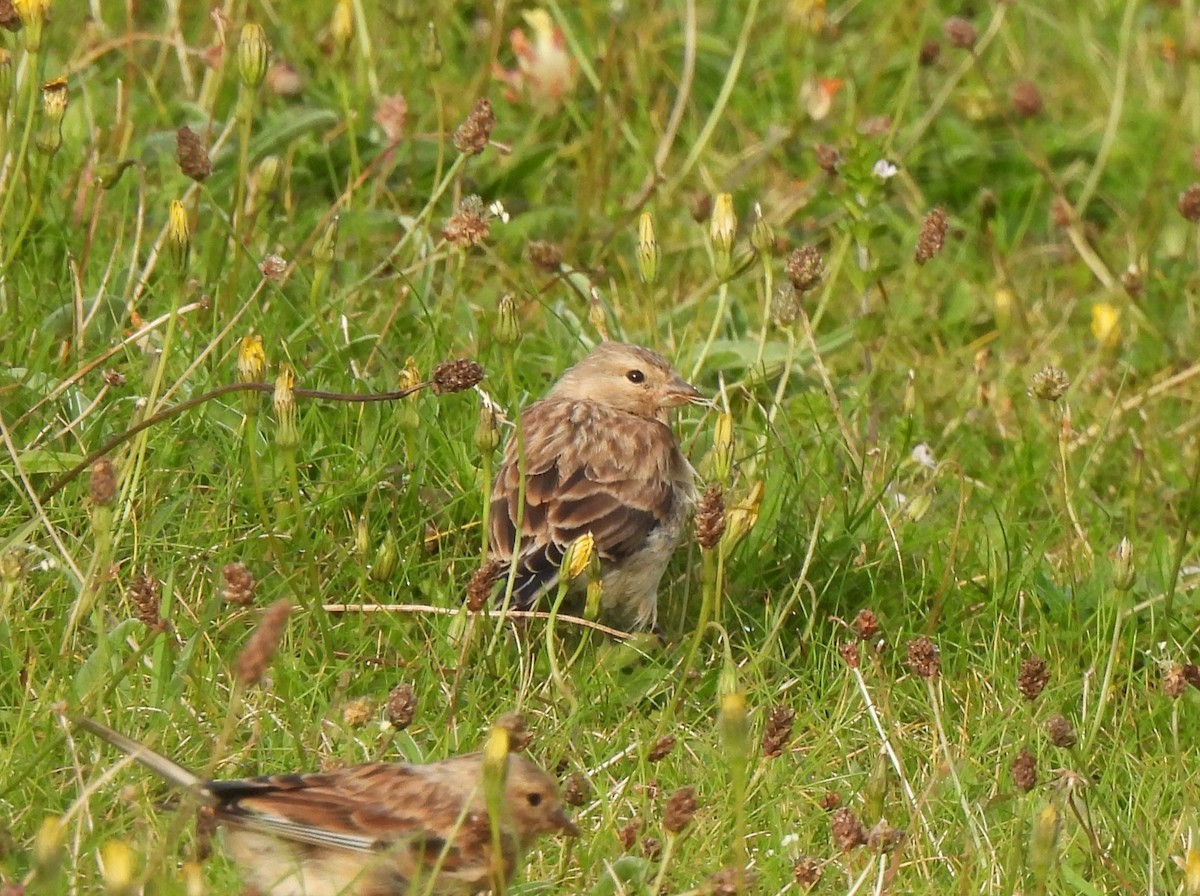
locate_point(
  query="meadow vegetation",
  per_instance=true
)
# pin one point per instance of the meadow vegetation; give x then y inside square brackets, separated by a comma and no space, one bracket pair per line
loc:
[936,264]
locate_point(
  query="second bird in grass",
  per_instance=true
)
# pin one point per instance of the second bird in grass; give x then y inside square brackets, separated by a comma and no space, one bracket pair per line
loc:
[382,829]
[597,455]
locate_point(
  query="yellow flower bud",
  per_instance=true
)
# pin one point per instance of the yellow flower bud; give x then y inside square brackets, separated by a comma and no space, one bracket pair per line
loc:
[647,249]
[734,724]
[740,519]
[487,433]
[1124,574]
[252,360]
[286,434]
[179,234]
[341,26]
[762,237]
[722,227]
[117,859]
[1106,325]
[1191,872]
[33,15]
[47,845]
[578,556]
[54,100]
[508,325]
[253,55]
[1043,842]
[722,449]
[325,248]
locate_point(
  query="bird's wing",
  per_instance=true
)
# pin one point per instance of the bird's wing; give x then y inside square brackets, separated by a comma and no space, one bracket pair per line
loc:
[587,469]
[366,808]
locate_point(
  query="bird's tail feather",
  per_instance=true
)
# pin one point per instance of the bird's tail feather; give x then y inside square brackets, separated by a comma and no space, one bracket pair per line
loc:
[156,762]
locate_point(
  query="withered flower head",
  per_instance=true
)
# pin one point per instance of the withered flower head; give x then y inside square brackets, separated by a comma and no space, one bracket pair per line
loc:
[479,590]
[1026,99]
[1189,203]
[805,268]
[865,625]
[778,731]
[1050,383]
[576,789]
[285,80]
[54,100]
[923,658]
[1032,678]
[850,654]
[730,882]
[959,32]
[848,832]
[1191,674]
[662,748]
[629,832]
[828,158]
[456,376]
[807,872]
[272,267]
[546,256]
[680,810]
[785,305]
[472,136]
[469,226]
[710,517]
[103,482]
[357,712]
[144,594]
[256,655]
[391,114]
[401,705]
[1024,771]
[239,584]
[932,236]
[930,51]
[192,155]
[884,838]
[1060,731]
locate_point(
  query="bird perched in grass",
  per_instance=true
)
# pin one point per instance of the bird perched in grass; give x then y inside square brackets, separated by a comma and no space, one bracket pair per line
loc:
[382,829]
[596,455]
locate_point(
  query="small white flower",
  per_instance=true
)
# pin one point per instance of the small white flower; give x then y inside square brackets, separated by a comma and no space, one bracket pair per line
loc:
[497,210]
[884,169]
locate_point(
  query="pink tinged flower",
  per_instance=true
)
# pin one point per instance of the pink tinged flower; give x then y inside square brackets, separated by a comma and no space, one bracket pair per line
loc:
[545,72]
[391,114]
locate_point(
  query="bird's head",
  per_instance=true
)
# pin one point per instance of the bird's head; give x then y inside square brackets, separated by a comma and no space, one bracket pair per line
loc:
[627,378]
[532,797]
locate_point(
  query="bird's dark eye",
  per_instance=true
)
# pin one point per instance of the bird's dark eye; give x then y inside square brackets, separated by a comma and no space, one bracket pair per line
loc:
[534,799]
[635,376]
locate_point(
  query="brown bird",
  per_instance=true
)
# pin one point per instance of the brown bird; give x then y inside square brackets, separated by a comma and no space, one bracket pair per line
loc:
[381,829]
[596,455]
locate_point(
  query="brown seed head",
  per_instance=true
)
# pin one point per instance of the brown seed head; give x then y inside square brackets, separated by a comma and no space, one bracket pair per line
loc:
[710,517]
[1033,677]
[932,236]
[102,485]
[472,136]
[959,32]
[1050,383]
[730,882]
[1191,674]
[1024,771]
[1060,731]
[778,731]
[1026,99]
[807,872]
[1189,203]
[239,584]
[401,705]
[652,848]
[456,376]
[923,658]
[479,589]
[828,158]
[848,832]
[357,712]
[850,654]
[679,810]
[469,226]
[865,625]
[546,256]
[629,833]
[391,114]
[662,748]
[1174,683]
[576,789]
[884,838]
[930,51]
[256,655]
[805,268]
[192,155]
[144,594]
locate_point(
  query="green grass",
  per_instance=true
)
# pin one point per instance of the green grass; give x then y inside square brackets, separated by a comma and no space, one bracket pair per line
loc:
[1000,549]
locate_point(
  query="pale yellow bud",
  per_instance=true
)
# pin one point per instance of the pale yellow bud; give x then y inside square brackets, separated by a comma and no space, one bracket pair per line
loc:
[1043,842]
[1106,325]
[740,518]
[252,360]
[325,248]
[1124,573]
[508,325]
[47,845]
[286,434]
[722,449]
[578,555]
[341,26]
[117,859]
[734,724]
[648,253]
[33,15]
[54,100]
[722,227]
[253,54]
[179,234]
[1191,872]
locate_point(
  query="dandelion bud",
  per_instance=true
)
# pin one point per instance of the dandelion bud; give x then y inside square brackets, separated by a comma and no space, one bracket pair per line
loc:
[117,859]
[266,179]
[193,879]
[48,846]
[508,325]
[407,417]
[179,234]
[722,450]
[578,556]
[740,519]
[1043,842]
[387,556]
[251,367]
[54,100]
[762,236]
[734,725]
[487,433]
[341,27]
[324,250]
[287,437]
[722,227]
[1124,573]
[432,56]
[647,249]
[253,55]
[33,15]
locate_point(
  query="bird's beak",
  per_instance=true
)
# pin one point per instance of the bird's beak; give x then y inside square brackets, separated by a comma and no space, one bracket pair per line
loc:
[562,822]
[680,392]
